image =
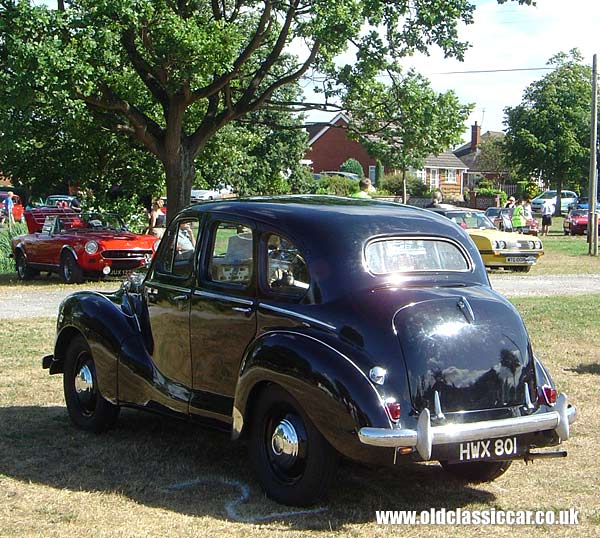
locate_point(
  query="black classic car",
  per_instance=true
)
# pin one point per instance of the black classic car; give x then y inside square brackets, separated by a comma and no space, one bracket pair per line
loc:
[316,327]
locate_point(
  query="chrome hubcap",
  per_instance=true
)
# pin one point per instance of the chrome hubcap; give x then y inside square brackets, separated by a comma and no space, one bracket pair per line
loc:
[285,443]
[84,387]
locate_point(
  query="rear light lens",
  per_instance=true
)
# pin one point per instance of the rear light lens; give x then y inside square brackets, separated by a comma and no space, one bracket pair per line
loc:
[547,395]
[393,410]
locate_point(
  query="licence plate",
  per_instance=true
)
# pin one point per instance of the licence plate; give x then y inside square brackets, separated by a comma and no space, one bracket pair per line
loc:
[521,259]
[488,449]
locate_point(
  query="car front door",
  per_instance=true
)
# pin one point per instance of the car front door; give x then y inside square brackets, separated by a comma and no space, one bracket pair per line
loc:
[223,315]
[166,380]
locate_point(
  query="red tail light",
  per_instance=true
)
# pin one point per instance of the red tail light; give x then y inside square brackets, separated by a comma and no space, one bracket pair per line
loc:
[547,395]
[393,409]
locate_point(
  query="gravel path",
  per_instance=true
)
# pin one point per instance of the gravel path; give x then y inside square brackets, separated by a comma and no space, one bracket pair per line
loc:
[19,302]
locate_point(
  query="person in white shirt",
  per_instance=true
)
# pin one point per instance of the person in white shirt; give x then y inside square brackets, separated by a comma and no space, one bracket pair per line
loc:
[547,212]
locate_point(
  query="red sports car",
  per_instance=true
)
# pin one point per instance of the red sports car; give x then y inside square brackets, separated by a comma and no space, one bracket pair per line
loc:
[78,244]
[576,222]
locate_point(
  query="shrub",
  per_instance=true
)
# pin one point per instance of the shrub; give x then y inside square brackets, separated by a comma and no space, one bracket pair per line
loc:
[337,185]
[393,184]
[526,188]
[352,166]
[7,265]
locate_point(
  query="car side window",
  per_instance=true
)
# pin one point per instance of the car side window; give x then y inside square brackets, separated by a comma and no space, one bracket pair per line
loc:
[287,272]
[232,256]
[177,256]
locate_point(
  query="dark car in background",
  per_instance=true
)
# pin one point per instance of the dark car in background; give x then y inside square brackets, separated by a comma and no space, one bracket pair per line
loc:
[315,327]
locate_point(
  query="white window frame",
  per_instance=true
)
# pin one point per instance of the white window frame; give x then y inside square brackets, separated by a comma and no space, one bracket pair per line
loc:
[373,173]
[451,175]
[434,178]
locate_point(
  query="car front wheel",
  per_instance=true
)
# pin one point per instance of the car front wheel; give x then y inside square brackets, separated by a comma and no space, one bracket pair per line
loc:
[70,271]
[88,410]
[23,270]
[294,463]
[480,471]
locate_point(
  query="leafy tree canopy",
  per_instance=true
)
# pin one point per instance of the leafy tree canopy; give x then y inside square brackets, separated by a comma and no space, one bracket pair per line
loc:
[173,74]
[548,134]
[406,120]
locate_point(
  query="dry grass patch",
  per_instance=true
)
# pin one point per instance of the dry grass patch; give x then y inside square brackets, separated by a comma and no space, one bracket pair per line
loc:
[58,481]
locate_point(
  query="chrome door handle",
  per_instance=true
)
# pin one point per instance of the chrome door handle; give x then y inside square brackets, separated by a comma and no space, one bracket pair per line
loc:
[243,309]
[179,298]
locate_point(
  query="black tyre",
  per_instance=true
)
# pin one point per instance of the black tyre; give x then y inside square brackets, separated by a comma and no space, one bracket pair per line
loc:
[70,272]
[481,471]
[522,269]
[292,460]
[87,408]
[24,272]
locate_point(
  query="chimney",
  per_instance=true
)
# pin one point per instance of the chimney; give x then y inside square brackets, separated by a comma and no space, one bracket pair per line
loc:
[475,136]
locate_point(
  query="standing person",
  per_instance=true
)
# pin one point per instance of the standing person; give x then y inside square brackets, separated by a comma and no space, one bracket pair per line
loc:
[510,203]
[518,218]
[527,211]
[8,209]
[365,186]
[436,199]
[157,219]
[547,212]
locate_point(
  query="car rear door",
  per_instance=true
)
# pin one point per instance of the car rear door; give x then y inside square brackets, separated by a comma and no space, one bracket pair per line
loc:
[223,314]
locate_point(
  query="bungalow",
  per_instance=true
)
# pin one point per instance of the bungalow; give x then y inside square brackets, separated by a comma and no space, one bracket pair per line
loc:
[444,172]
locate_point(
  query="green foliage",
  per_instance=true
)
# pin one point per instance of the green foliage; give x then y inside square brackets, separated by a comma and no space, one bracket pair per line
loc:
[394,185]
[527,189]
[492,192]
[410,120]
[379,172]
[548,133]
[7,265]
[171,75]
[337,185]
[493,158]
[352,166]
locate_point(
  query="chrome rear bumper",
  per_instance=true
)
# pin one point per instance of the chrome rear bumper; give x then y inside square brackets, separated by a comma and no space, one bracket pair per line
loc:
[426,435]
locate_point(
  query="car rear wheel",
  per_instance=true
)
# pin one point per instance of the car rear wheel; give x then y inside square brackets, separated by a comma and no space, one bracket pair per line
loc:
[24,272]
[480,471]
[70,271]
[88,410]
[294,463]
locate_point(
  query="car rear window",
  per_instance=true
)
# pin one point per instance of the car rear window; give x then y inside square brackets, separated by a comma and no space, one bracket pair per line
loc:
[402,255]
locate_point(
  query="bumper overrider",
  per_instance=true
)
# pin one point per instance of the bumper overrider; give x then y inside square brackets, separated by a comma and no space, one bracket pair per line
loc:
[426,436]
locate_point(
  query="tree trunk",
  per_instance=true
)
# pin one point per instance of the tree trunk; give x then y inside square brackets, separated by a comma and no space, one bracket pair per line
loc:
[179,170]
[557,211]
[404,185]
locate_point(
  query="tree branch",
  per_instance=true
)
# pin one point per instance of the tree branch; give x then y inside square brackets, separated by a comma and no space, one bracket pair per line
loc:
[144,70]
[219,83]
[145,129]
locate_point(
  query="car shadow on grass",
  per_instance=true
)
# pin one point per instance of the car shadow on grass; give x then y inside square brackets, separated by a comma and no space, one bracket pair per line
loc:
[200,472]
[53,280]
[586,368]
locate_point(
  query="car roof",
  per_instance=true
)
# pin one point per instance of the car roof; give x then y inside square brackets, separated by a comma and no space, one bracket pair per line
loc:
[332,231]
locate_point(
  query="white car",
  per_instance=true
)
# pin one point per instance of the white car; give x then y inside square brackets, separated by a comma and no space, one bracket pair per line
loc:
[201,195]
[566,198]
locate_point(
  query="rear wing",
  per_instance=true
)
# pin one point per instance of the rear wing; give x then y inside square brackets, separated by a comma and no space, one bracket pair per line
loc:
[35,218]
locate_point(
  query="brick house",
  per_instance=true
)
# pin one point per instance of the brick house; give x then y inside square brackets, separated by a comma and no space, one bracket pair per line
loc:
[445,172]
[330,146]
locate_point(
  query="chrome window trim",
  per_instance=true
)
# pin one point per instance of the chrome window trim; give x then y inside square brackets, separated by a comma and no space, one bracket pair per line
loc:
[459,246]
[223,297]
[296,315]
[155,284]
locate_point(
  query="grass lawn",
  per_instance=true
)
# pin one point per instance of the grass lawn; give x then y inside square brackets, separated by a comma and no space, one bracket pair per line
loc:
[58,481]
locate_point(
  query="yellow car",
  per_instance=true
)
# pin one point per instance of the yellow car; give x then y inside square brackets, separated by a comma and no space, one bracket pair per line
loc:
[509,250]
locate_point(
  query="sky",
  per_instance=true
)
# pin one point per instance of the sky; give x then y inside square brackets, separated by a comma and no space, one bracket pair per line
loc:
[508,36]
